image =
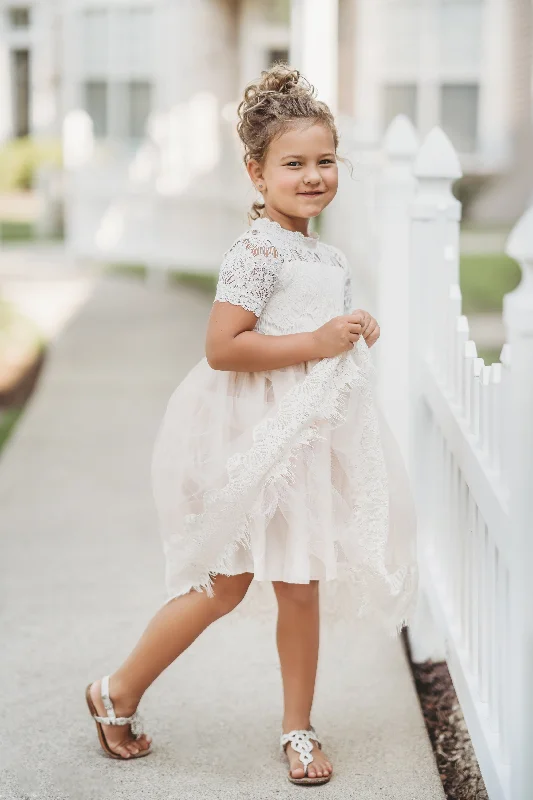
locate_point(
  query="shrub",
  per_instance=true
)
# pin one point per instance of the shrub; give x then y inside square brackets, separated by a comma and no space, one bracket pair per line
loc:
[19,159]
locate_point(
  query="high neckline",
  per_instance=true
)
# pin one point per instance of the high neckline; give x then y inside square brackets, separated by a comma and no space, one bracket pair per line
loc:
[266,224]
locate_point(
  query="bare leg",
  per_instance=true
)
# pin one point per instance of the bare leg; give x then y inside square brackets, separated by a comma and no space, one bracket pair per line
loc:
[174,627]
[298,639]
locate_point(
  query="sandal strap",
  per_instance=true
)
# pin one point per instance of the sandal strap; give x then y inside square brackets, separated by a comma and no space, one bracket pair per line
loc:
[302,742]
[111,719]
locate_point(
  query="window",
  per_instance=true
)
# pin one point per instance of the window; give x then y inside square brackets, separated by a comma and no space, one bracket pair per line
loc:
[281,54]
[19,16]
[399,99]
[140,104]
[118,63]
[459,114]
[20,70]
[96,105]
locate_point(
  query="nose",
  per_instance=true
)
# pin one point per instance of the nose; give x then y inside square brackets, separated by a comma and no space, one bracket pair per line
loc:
[312,177]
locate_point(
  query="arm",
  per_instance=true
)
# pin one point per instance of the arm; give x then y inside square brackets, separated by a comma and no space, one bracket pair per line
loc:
[232,345]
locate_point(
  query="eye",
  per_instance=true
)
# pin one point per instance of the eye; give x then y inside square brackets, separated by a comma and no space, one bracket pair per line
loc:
[327,161]
[290,163]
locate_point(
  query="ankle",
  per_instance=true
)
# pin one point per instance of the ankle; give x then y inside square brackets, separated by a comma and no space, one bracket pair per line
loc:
[122,696]
[296,723]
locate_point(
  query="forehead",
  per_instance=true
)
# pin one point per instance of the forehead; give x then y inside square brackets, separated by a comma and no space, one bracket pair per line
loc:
[303,138]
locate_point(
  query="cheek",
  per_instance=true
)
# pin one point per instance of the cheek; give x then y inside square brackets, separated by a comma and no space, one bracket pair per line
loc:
[287,181]
[331,179]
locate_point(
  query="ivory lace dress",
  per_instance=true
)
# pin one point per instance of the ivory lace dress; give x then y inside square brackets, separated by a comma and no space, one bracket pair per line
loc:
[292,473]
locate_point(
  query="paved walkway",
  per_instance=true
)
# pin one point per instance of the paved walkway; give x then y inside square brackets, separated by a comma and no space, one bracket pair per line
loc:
[82,572]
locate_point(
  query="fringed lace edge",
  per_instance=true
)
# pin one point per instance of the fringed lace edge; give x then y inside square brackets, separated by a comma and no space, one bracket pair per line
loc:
[277,441]
[268,466]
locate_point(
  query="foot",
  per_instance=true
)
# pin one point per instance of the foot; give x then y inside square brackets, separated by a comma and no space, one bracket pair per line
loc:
[320,766]
[119,737]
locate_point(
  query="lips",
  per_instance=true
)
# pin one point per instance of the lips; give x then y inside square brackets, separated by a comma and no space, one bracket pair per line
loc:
[310,194]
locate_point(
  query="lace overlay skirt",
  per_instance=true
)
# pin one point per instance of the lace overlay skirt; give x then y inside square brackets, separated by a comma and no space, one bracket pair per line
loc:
[294,475]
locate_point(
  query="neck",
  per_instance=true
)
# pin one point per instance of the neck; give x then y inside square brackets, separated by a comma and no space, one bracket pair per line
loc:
[297,224]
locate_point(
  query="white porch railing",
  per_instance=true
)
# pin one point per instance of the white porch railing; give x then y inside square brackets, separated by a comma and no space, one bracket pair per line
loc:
[468,433]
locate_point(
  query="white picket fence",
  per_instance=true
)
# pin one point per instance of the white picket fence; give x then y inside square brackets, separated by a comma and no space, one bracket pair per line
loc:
[467,430]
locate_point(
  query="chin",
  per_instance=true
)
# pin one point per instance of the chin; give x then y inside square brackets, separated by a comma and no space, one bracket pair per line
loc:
[311,211]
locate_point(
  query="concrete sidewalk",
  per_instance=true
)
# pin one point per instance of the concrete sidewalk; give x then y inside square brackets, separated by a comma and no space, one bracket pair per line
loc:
[82,572]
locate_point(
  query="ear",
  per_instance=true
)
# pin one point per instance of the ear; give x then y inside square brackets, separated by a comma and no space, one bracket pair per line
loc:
[255,172]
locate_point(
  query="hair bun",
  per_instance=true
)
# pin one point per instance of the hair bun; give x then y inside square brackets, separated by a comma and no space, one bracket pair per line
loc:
[283,79]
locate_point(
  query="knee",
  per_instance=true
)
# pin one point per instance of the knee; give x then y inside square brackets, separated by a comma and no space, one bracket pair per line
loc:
[229,591]
[302,595]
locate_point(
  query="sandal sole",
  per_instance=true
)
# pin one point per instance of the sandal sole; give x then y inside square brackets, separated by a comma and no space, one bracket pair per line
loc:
[101,736]
[310,781]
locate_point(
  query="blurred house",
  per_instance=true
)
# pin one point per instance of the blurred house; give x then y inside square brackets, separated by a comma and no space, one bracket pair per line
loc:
[30,68]
[159,80]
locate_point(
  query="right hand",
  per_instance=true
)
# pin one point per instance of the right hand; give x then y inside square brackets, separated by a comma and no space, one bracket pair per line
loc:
[338,335]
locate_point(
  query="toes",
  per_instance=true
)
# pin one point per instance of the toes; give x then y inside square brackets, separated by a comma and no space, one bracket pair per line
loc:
[144,742]
[297,772]
[133,747]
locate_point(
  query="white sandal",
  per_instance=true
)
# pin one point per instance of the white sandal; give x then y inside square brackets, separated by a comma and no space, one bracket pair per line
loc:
[302,743]
[112,719]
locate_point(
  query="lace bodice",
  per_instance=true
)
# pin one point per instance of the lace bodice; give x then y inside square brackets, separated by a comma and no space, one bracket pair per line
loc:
[293,283]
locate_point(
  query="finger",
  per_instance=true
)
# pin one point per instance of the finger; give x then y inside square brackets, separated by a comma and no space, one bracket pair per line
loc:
[356,317]
[354,327]
[370,329]
[353,337]
[372,339]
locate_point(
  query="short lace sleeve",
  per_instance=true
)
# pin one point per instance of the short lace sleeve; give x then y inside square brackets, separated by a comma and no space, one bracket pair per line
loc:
[248,273]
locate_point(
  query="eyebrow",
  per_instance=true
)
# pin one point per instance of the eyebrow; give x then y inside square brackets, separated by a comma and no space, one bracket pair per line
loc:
[291,155]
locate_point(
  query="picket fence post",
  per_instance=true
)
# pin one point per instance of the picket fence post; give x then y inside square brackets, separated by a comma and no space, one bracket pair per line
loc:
[435,216]
[395,193]
[518,459]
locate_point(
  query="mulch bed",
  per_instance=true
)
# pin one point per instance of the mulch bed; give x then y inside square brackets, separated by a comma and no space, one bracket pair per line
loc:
[454,754]
[17,381]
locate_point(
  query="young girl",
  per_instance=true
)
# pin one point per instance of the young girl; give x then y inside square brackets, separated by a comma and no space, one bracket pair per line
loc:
[271,463]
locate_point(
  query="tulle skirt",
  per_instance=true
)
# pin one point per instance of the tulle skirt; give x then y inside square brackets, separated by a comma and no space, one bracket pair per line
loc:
[293,475]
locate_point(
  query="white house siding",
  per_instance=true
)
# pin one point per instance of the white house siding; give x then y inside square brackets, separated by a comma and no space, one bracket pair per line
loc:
[264,34]
[442,62]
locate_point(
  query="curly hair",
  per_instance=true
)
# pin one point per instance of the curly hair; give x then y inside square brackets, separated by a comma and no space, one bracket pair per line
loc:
[270,106]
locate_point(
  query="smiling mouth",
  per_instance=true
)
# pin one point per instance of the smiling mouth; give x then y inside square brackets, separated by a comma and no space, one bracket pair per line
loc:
[310,194]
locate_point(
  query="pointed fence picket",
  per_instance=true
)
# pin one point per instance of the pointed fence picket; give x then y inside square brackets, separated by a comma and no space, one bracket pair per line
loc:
[470,432]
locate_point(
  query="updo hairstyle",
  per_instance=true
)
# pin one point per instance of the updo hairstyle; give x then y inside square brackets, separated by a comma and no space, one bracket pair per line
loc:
[280,97]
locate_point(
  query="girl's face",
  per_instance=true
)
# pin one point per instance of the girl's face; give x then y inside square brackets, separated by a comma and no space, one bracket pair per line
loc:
[299,174]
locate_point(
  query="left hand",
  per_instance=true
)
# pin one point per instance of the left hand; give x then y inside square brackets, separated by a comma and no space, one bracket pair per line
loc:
[370,328]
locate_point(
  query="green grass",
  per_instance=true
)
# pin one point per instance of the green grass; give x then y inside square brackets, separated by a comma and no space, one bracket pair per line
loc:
[485,279]
[8,420]
[203,281]
[16,231]
[130,270]
[489,354]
